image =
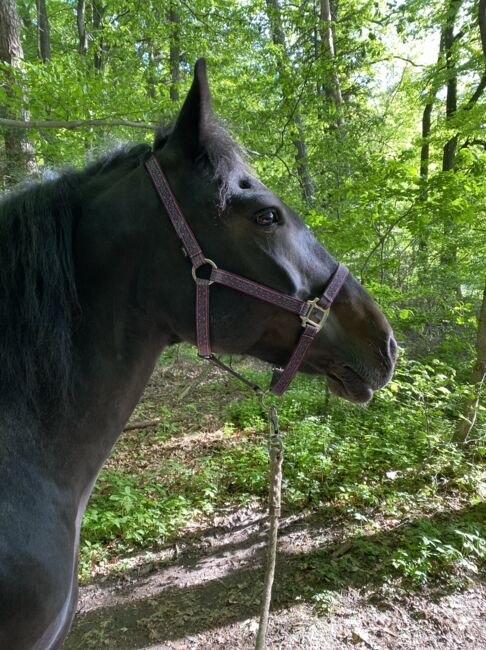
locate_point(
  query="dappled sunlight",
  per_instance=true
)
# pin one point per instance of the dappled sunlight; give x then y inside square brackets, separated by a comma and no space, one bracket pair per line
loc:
[325,566]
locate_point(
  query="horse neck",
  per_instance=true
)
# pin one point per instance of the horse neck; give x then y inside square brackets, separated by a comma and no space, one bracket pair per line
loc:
[118,340]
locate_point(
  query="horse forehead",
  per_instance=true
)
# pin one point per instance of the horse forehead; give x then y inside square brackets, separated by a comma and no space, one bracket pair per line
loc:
[249,190]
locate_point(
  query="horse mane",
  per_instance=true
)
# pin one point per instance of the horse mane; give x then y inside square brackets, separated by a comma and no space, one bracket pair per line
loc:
[38,296]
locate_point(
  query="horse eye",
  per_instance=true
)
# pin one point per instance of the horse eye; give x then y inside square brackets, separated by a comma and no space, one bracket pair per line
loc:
[266,217]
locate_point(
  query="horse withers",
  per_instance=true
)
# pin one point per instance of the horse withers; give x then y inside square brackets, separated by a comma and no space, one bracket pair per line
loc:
[93,286]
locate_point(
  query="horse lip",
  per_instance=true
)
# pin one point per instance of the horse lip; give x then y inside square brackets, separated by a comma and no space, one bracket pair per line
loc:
[358,391]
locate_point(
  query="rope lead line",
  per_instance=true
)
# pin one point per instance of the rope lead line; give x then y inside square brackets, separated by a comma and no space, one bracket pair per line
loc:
[274,503]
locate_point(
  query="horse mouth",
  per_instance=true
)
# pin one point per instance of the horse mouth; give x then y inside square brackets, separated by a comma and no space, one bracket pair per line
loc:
[349,385]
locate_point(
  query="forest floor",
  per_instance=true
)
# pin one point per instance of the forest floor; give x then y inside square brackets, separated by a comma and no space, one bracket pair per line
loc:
[203,590]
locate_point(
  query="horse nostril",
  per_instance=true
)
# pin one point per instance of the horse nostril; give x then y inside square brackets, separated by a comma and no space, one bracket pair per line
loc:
[388,351]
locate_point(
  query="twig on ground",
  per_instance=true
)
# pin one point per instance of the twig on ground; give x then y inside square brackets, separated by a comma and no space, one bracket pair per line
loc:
[143,424]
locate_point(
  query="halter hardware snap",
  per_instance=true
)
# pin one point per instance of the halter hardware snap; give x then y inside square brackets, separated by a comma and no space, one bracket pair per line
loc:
[203,280]
[316,320]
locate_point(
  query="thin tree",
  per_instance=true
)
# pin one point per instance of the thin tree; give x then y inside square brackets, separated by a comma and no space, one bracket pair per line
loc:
[19,152]
[81,25]
[431,98]
[174,53]
[450,147]
[43,33]
[466,423]
[301,155]
[332,86]
[449,252]
[99,10]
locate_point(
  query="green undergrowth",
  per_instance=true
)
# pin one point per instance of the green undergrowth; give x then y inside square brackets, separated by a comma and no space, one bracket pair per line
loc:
[389,469]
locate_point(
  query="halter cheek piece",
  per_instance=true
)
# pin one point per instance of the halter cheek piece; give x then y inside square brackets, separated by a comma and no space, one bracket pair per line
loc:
[313,313]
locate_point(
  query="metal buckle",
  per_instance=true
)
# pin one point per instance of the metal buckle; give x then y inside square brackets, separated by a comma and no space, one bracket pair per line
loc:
[309,320]
[194,269]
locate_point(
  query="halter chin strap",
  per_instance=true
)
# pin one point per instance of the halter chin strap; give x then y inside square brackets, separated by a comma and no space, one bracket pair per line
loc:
[313,313]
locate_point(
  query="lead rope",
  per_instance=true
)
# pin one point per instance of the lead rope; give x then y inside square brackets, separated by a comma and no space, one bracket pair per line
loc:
[275,445]
[275,452]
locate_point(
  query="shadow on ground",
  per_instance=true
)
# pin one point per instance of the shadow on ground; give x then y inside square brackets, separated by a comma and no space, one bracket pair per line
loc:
[221,585]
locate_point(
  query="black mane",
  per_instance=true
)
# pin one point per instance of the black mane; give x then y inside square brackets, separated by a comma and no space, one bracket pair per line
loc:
[38,297]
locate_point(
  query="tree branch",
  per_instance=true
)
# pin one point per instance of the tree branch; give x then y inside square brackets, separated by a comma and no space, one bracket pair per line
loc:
[475,142]
[72,124]
[477,94]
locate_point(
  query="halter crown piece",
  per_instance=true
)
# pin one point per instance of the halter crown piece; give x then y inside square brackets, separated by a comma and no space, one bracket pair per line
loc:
[313,313]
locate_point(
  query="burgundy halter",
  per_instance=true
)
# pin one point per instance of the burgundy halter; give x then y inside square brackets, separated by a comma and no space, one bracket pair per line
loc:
[313,313]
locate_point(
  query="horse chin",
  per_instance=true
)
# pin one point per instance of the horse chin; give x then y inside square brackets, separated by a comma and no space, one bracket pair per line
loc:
[357,391]
[344,382]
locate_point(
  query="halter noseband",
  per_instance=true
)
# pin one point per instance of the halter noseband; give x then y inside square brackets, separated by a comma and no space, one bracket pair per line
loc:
[313,313]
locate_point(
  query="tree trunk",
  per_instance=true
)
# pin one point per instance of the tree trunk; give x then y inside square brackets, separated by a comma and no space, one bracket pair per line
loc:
[425,149]
[302,163]
[450,148]
[153,59]
[425,156]
[43,35]
[427,118]
[424,181]
[301,160]
[174,54]
[332,87]
[478,377]
[81,23]
[19,153]
[449,251]
[98,16]
[482,24]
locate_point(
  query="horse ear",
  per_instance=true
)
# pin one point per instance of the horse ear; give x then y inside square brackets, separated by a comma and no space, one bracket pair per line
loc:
[193,124]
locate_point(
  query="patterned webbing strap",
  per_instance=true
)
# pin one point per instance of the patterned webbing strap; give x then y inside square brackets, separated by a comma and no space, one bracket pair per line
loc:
[282,378]
[313,313]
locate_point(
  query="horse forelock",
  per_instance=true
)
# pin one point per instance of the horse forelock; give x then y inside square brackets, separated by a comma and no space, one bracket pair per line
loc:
[221,157]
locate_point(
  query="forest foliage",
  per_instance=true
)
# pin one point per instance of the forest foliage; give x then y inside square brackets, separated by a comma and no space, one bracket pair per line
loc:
[368,117]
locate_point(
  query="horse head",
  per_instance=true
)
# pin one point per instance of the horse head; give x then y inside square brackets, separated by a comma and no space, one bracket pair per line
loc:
[245,228]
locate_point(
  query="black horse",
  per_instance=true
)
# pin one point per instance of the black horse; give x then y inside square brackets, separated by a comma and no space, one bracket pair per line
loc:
[93,285]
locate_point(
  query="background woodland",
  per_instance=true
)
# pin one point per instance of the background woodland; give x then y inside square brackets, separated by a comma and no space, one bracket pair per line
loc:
[368,117]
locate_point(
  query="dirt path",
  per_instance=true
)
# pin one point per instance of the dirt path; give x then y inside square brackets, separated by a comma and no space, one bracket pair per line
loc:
[207,597]
[205,592]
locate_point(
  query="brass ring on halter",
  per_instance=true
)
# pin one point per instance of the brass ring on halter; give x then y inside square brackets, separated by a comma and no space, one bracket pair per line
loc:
[194,269]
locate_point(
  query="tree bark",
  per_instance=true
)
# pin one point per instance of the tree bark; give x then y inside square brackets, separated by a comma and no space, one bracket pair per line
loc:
[425,155]
[482,24]
[425,149]
[301,159]
[450,148]
[427,122]
[19,153]
[478,376]
[424,179]
[98,15]
[174,54]
[448,255]
[72,124]
[81,23]
[332,86]
[43,34]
